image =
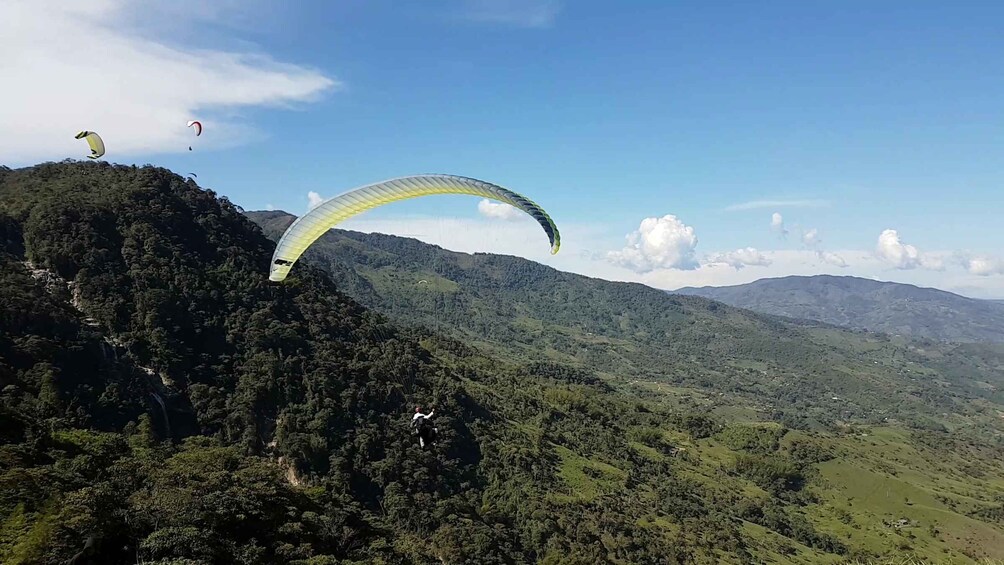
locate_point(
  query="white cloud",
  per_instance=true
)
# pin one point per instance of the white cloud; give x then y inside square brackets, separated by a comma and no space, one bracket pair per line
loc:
[741,258]
[519,13]
[810,237]
[903,255]
[498,210]
[777,224]
[932,261]
[893,251]
[756,204]
[812,240]
[658,243]
[270,207]
[314,199]
[831,258]
[984,266]
[70,66]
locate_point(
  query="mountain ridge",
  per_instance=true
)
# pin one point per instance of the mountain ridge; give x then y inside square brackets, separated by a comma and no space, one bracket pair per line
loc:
[865,304]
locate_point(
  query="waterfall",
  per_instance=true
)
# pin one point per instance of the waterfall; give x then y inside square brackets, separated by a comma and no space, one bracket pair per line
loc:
[163,411]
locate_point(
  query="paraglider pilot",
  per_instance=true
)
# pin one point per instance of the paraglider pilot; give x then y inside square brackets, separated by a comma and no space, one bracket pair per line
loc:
[420,423]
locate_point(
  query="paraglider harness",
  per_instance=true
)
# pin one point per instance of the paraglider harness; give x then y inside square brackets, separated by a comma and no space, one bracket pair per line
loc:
[424,429]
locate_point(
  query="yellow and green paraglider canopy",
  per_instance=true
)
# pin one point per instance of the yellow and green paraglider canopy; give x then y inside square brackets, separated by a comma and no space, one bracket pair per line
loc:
[312,225]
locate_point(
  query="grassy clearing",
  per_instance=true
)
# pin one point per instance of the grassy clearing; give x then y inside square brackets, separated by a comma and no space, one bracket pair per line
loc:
[886,496]
[586,478]
[770,547]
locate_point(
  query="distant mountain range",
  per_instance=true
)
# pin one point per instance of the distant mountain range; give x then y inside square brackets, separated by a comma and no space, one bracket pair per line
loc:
[865,304]
[852,302]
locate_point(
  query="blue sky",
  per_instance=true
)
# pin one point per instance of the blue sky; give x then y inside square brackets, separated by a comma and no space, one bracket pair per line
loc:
[847,119]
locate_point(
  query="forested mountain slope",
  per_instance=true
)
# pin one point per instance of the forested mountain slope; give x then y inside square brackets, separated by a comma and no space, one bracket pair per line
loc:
[161,402]
[785,370]
[853,302]
[937,407]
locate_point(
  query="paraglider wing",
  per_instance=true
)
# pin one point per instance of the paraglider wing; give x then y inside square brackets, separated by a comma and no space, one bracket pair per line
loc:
[94,140]
[198,127]
[312,225]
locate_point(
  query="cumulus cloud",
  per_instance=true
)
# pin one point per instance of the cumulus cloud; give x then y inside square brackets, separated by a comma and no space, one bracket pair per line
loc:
[314,200]
[519,13]
[658,243]
[757,204]
[984,266]
[810,237]
[741,258]
[831,259]
[891,249]
[498,210]
[70,66]
[777,224]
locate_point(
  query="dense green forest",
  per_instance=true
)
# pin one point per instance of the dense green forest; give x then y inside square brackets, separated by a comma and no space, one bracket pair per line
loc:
[162,402]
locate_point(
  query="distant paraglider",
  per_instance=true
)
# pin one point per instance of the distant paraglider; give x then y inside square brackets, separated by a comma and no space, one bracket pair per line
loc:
[312,225]
[95,142]
[198,129]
